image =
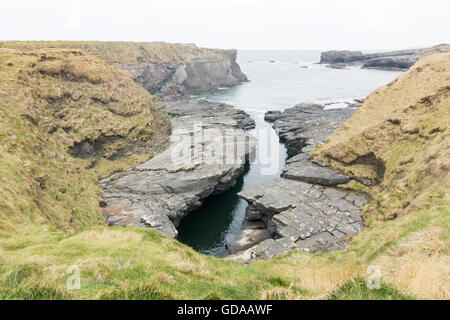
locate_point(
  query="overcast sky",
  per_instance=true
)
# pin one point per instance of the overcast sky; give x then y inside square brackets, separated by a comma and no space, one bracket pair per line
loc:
[242,24]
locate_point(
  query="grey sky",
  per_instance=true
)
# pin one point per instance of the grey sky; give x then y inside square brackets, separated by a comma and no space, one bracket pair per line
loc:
[243,24]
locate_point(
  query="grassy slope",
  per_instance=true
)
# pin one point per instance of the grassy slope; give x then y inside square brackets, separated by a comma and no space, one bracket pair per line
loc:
[50,100]
[36,249]
[399,140]
[404,126]
[127,53]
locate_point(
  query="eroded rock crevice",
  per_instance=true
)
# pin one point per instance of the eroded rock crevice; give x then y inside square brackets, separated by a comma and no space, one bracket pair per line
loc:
[304,209]
[88,148]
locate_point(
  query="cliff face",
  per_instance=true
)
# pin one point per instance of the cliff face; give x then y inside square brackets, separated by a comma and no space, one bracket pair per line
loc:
[193,70]
[64,116]
[162,68]
[394,60]
[211,70]
[397,145]
[99,119]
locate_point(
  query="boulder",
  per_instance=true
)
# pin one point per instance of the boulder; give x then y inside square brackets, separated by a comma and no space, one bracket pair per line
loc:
[245,239]
[301,210]
[308,124]
[307,171]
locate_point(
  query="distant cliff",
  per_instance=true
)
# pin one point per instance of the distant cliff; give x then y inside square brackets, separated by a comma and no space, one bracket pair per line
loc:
[393,60]
[162,68]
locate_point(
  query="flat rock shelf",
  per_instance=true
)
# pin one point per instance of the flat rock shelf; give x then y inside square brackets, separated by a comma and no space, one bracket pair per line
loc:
[161,191]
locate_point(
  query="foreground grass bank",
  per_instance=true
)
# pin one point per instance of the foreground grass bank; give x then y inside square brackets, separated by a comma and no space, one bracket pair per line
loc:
[118,263]
[115,263]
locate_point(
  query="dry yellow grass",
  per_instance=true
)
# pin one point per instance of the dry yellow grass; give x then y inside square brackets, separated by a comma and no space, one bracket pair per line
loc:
[315,274]
[399,140]
[420,264]
[123,53]
[280,294]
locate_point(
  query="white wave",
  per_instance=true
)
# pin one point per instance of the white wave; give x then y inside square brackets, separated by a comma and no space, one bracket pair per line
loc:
[338,105]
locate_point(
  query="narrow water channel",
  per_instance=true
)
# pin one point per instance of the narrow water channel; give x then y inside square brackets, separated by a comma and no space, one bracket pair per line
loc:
[278,80]
[206,228]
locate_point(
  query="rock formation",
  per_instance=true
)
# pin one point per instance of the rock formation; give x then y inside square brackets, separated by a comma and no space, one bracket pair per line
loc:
[200,70]
[107,115]
[159,192]
[208,151]
[395,147]
[162,68]
[394,60]
[302,210]
[306,124]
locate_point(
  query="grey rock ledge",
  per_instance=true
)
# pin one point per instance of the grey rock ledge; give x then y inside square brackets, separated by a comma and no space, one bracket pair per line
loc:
[161,191]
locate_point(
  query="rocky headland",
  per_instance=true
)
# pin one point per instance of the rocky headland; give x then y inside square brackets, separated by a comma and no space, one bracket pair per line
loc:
[161,68]
[393,60]
[132,125]
[304,209]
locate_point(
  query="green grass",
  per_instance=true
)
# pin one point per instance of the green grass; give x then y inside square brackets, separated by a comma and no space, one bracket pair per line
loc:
[137,292]
[357,289]
[125,263]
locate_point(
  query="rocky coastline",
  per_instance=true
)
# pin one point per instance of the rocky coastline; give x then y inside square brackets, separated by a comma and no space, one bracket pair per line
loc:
[83,145]
[393,60]
[304,209]
[200,70]
[161,191]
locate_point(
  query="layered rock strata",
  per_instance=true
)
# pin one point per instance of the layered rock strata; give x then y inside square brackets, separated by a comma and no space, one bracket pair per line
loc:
[307,124]
[209,148]
[198,70]
[161,68]
[304,209]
